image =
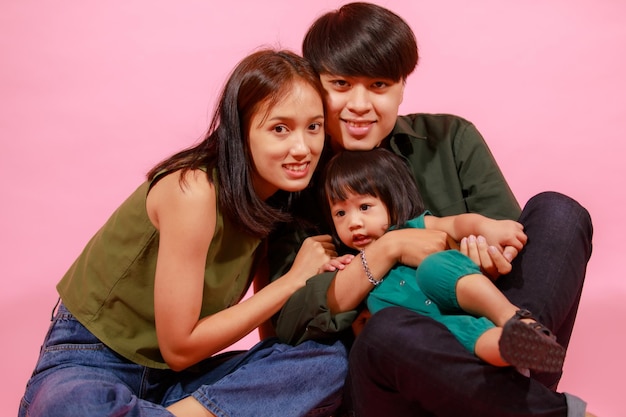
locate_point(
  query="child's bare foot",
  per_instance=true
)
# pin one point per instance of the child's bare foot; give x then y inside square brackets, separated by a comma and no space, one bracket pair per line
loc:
[526,343]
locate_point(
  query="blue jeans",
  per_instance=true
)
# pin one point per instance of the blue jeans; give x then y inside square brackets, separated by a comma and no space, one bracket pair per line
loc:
[77,375]
[404,364]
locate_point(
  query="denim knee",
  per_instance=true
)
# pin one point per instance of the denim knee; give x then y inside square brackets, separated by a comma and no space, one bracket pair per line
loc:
[559,207]
[306,379]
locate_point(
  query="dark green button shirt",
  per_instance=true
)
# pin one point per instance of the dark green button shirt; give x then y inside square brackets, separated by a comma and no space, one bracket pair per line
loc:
[455,172]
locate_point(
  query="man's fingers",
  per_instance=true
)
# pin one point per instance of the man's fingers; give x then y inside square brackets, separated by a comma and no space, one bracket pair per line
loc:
[510,253]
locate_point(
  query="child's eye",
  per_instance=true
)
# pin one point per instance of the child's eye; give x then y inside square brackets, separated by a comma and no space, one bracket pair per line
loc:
[340,213]
[365,207]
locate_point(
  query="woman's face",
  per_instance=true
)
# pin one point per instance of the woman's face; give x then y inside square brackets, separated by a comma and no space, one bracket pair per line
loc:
[361,111]
[286,141]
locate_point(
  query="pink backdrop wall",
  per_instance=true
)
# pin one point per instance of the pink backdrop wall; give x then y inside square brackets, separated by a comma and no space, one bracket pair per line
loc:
[92,94]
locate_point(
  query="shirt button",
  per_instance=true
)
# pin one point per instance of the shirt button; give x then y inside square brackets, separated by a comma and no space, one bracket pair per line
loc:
[428,302]
[402,282]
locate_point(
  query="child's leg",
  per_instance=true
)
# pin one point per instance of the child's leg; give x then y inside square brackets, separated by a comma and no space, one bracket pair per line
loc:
[518,339]
[487,347]
[455,283]
[526,343]
[477,295]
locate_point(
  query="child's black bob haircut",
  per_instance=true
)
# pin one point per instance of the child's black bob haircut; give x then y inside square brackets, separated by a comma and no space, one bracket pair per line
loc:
[379,173]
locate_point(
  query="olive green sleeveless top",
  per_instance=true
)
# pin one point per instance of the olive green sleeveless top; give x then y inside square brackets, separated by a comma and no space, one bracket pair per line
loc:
[110,287]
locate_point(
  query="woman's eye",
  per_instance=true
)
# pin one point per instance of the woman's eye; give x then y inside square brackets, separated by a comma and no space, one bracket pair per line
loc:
[280,129]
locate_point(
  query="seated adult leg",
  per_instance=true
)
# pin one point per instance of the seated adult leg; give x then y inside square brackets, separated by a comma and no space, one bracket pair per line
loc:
[272,379]
[87,391]
[77,375]
[548,274]
[405,364]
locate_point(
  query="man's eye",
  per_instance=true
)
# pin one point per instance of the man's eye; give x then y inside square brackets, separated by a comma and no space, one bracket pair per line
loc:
[315,127]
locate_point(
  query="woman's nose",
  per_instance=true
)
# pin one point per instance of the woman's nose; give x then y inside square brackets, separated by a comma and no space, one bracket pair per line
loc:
[299,146]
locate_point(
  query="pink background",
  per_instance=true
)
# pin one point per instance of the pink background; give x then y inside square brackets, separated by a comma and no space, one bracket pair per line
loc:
[93,93]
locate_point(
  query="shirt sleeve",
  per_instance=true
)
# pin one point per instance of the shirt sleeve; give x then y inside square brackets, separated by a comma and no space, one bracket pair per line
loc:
[453,166]
[485,188]
[305,315]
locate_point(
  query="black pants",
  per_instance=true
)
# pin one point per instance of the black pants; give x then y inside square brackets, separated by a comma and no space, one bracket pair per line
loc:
[405,364]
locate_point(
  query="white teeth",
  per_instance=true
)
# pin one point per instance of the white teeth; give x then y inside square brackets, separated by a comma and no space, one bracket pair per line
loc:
[359,124]
[299,167]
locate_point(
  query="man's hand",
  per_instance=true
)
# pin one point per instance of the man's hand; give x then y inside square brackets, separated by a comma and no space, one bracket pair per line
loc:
[490,259]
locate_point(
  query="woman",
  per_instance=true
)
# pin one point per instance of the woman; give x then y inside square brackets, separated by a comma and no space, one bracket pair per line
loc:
[156,293]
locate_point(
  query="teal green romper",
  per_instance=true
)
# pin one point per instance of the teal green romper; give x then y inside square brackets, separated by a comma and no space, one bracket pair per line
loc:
[430,290]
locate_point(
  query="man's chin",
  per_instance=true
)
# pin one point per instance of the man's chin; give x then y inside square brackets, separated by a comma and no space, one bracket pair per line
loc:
[364,144]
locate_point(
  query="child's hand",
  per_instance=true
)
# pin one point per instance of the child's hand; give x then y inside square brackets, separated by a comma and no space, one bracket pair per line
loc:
[337,263]
[503,233]
[496,247]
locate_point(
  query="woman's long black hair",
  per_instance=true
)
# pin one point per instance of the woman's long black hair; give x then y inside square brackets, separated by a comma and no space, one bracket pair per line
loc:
[261,79]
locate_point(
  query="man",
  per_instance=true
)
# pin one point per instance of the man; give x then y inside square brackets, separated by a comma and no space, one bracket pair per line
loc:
[404,364]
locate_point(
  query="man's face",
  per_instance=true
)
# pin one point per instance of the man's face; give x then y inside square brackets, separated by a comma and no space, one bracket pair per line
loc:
[361,111]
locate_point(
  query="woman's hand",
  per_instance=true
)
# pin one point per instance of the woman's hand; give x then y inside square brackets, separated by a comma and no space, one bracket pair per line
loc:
[315,252]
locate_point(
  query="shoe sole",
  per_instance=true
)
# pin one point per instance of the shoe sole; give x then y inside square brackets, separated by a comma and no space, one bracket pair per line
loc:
[524,347]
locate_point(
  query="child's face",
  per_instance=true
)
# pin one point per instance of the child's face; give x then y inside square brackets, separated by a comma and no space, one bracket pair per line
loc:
[361,111]
[359,220]
[286,141]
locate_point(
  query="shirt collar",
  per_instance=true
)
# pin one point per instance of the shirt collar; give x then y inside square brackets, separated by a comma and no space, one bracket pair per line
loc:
[404,127]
